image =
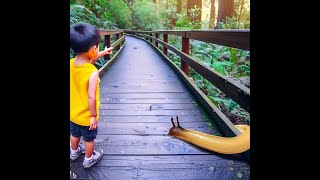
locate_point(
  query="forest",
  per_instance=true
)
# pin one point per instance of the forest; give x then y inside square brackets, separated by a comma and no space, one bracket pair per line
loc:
[147,15]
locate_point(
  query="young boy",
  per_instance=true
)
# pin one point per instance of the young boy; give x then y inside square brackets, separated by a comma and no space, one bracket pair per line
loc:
[84,92]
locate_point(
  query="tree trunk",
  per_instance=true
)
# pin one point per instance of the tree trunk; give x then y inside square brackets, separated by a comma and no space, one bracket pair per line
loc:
[190,5]
[225,9]
[179,6]
[212,13]
[240,11]
[173,19]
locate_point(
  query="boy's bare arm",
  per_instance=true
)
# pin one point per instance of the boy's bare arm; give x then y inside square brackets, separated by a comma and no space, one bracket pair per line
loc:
[93,81]
[102,53]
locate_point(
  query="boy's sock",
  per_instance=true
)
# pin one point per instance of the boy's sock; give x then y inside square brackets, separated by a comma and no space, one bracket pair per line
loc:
[88,159]
[75,151]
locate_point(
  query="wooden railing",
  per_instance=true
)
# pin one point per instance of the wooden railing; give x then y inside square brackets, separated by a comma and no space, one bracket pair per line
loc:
[117,45]
[232,38]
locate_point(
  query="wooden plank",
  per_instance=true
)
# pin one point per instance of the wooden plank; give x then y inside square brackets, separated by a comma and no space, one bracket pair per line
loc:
[117,90]
[143,83]
[174,112]
[145,145]
[143,86]
[106,128]
[148,119]
[159,68]
[128,78]
[236,91]
[151,106]
[232,38]
[147,74]
[142,76]
[145,95]
[136,70]
[203,167]
[145,101]
[111,81]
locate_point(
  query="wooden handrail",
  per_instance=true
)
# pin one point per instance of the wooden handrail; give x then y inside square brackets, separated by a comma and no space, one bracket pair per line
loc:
[232,38]
[236,91]
[109,32]
[115,44]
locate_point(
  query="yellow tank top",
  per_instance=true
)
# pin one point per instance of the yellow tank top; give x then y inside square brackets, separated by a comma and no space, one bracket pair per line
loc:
[79,82]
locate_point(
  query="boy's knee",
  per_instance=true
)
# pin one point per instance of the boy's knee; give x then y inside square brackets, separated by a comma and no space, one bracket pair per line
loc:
[90,135]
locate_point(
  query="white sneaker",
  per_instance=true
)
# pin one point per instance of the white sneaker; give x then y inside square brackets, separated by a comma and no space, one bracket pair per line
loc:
[97,155]
[79,152]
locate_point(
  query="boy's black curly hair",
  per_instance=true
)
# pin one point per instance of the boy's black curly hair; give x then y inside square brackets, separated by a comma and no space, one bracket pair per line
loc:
[83,36]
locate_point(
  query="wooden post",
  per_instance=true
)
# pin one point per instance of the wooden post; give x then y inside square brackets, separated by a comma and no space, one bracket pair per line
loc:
[122,34]
[107,43]
[165,39]
[186,49]
[157,38]
[150,38]
[117,37]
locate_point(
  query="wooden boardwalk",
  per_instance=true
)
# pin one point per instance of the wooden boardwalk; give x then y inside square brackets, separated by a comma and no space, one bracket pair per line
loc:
[139,95]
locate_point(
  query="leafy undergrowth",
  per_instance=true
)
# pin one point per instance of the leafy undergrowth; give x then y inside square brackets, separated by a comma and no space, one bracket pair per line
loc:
[230,62]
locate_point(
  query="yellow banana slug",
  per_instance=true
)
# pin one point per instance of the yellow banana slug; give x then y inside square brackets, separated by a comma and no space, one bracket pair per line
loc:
[224,145]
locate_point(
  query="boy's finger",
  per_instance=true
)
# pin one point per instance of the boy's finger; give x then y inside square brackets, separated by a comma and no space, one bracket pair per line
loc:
[90,128]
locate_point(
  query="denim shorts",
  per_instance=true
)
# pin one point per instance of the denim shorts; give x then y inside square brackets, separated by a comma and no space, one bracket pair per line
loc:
[78,131]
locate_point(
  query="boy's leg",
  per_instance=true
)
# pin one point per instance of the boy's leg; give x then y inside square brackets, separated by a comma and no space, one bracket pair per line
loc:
[74,142]
[89,148]
[92,156]
[76,149]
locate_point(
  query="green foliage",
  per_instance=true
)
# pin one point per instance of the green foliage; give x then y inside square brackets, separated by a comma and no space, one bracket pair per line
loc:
[185,22]
[79,13]
[121,13]
[231,62]
[232,23]
[115,12]
[227,61]
[167,11]
[98,7]
[194,12]
[229,107]
[72,2]
[145,16]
